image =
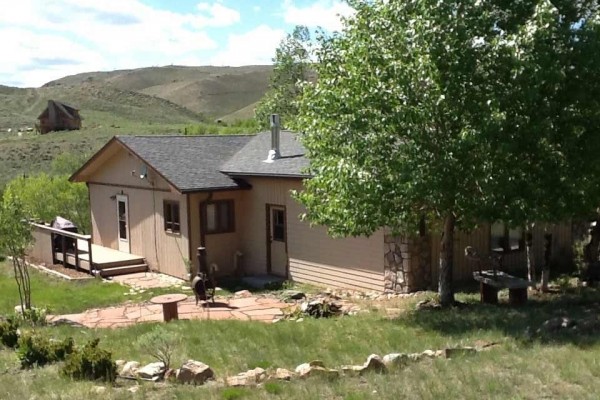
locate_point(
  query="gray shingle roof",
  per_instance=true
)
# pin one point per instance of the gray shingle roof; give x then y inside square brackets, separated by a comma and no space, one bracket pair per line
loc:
[249,161]
[190,163]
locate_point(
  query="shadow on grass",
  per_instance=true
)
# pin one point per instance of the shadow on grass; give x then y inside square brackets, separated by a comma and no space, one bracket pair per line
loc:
[522,323]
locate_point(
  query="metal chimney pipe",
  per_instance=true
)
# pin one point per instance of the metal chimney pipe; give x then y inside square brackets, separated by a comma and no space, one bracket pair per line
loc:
[275,134]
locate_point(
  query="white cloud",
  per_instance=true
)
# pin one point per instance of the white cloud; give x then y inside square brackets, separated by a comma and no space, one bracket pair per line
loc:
[50,39]
[255,47]
[219,15]
[323,13]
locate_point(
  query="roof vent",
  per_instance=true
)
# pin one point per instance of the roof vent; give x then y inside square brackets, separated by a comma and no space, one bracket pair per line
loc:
[275,134]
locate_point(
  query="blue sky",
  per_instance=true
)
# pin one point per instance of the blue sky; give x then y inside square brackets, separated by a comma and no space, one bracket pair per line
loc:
[44,40]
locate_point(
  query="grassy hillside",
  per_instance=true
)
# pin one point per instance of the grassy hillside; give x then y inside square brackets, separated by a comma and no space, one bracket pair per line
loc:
[156,100]
[212,91]
[106,111]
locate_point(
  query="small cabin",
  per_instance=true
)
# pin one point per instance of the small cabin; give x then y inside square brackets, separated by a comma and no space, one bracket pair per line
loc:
[58,117]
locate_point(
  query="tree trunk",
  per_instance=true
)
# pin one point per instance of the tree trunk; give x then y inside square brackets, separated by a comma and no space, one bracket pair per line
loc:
[445,289]
[547,255]
[530,256]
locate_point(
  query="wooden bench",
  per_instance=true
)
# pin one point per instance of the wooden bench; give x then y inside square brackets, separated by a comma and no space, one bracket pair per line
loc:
[492,281]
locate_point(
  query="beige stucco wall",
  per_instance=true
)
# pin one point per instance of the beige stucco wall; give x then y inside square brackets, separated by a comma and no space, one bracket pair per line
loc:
[163,251]
[314,257]
[515,262]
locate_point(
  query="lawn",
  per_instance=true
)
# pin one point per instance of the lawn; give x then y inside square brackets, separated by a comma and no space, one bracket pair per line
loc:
[521,366]
[64,297]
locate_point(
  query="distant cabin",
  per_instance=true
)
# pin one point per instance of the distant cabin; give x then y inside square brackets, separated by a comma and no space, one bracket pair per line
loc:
[58,117]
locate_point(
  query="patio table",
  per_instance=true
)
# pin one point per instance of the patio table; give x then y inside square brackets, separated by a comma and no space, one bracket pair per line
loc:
[169,305]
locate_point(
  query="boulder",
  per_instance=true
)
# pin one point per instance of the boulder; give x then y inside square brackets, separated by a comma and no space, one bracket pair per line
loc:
[194,372]
[243,293]
[283,374]
[395,360]
[429,353]
[374,363]
[249,378]
[316,368]
[151,371]
[120,363]
[130,368]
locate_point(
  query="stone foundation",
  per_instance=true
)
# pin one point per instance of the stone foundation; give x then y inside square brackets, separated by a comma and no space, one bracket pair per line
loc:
[407,263]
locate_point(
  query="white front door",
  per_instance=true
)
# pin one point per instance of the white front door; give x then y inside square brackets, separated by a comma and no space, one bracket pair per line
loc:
[277,262]
[123,223]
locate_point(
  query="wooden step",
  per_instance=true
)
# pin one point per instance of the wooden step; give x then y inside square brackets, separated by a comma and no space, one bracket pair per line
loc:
[123,270]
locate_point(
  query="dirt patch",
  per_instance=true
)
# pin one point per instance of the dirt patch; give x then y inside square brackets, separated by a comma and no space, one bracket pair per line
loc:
[58,270]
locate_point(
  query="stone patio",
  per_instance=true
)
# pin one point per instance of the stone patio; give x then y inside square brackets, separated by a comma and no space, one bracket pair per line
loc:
[148,280]
[265,309]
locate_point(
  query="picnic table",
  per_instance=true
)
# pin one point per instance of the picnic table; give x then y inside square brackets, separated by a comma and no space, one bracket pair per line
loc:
[169,305]
[491,281]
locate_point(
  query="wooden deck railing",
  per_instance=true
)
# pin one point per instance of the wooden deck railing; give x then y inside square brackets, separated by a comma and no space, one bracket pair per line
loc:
[44,229]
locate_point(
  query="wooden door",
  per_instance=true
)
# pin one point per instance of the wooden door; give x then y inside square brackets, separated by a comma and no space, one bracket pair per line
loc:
[277,257]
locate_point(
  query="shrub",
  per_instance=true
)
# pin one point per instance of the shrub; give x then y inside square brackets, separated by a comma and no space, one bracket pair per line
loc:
[9,332]
[35,349]
[90,363]
[159,344]
[35,316]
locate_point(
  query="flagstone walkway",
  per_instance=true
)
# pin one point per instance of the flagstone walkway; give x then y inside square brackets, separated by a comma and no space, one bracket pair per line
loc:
[265,309]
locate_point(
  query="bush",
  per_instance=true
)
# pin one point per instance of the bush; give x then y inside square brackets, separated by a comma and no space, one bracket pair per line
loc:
[9,332]
[35,349]
[35,316]
[90,363]
[159,344]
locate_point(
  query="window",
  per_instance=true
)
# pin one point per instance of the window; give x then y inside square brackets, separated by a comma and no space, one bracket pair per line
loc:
[219,217]
[171,214]
[278,222]
[504,239]
[122,210]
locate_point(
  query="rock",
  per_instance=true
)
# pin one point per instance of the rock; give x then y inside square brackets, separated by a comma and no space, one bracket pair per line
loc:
[98,389]
[428,353]
[243,293]
[395,360]
[316,368]
[151,371]
[428,305]
[292,295]
[130,368]
[170,374]
[120,363]
[415,356]
[321,308]
[194,372]
[133,389]
[249,378]
[458,352]
[283,374]
[555,324]
[374,363]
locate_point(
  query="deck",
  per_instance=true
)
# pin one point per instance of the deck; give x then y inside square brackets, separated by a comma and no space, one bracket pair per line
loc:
[86,256]
[103,257]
